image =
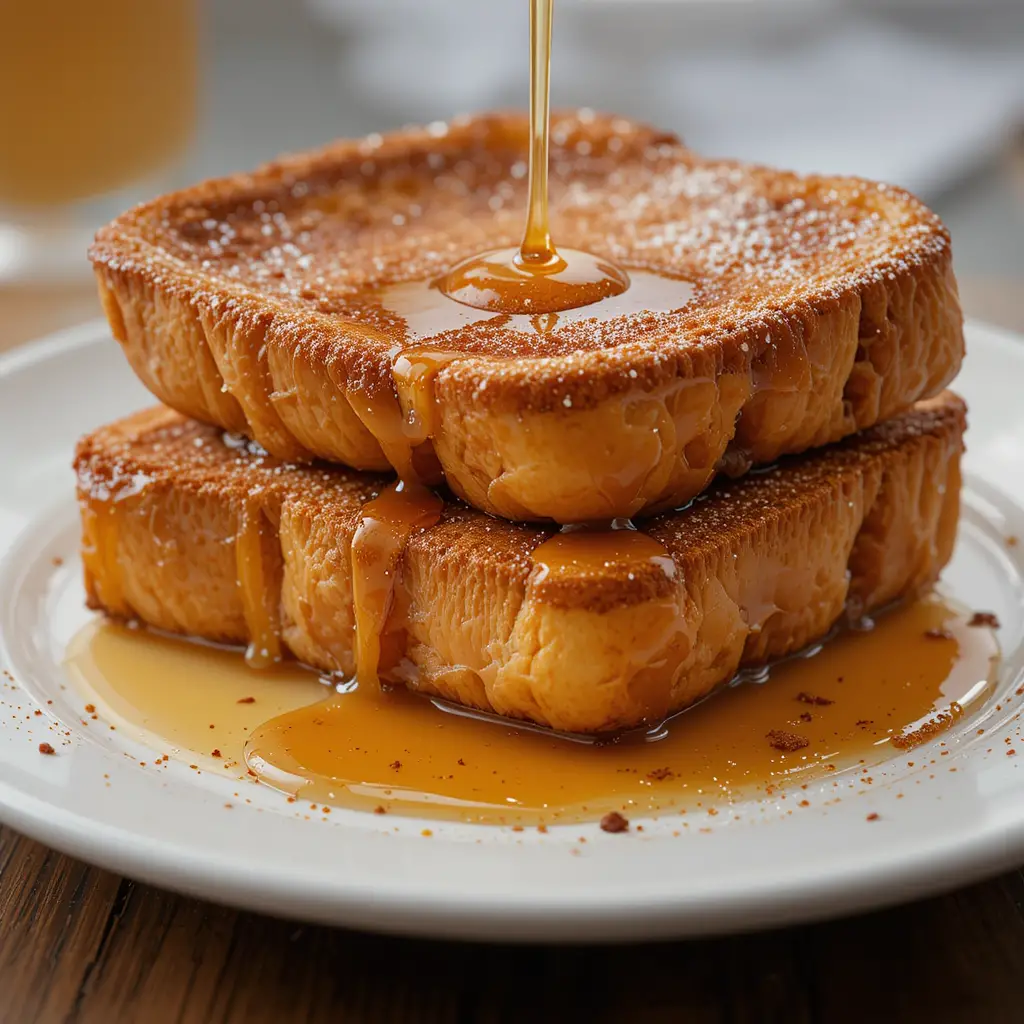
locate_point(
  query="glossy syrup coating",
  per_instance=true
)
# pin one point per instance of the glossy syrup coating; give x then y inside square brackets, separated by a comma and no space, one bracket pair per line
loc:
[755,570]
[808,308]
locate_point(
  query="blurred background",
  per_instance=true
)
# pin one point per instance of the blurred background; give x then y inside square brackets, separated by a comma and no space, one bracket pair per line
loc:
[108,102]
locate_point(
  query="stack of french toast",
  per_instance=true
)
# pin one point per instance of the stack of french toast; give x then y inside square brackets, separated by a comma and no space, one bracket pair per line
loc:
[781,439]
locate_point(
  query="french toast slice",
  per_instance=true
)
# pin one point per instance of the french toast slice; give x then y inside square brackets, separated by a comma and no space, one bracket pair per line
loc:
[264,303]
[203,534]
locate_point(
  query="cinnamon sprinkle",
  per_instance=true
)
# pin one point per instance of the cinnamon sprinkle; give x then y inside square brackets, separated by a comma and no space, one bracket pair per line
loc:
[614,822]
[780,739]
[984,619]
[810,698]
[933,727]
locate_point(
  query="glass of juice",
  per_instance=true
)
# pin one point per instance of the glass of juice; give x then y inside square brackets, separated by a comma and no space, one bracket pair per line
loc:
[97,103]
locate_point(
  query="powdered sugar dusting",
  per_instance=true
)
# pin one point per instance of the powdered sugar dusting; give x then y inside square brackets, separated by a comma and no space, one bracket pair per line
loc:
[325,234]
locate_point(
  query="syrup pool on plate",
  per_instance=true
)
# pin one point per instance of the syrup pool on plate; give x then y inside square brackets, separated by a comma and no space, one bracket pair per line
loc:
[859,700]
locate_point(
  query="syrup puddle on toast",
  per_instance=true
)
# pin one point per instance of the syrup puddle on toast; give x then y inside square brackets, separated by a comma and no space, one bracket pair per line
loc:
[864,698]
[589,548]
[429,314]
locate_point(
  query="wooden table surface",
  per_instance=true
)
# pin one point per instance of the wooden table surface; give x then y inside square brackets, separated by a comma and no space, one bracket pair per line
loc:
[80,944]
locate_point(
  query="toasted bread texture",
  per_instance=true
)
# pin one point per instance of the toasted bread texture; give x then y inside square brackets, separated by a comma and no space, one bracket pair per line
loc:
[205,535]
[808,308]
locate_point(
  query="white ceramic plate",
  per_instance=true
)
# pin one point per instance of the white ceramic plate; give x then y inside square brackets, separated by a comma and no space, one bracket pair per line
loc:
[169,826]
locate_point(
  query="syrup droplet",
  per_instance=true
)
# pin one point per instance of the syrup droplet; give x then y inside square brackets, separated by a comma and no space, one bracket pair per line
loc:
[386,524]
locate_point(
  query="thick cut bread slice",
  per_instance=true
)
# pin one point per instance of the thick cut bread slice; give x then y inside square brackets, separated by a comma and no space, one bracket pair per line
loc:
[209,537]
[264,303]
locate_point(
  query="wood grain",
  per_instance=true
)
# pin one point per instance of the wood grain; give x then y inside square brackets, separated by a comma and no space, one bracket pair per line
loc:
[79,945]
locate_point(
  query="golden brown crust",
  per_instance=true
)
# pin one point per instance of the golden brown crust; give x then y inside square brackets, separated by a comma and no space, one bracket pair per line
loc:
[821,306]
[763,566]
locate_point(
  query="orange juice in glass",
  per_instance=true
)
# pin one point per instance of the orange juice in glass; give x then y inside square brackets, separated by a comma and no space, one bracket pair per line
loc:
[96,96]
